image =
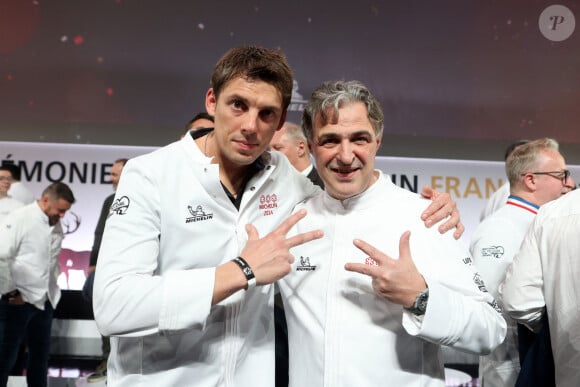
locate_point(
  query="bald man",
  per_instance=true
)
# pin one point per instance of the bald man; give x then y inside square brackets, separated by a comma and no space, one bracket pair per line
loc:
[291,141]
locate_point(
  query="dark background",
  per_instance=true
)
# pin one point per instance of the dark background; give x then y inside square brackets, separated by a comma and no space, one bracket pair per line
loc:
[457,79]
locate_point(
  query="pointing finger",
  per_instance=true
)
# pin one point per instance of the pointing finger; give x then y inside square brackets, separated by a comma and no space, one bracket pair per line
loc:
[370,270]
[303,238]
[289,222]
[378,256]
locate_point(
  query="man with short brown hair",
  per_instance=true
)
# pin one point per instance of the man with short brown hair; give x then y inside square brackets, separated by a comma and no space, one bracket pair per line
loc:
[197,236]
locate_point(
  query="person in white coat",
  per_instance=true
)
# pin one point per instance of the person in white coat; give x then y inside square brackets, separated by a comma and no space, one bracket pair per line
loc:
[7,202]
[543,279]
[196,236]
[17,189]
[373,300]
[31,242]
[537,174]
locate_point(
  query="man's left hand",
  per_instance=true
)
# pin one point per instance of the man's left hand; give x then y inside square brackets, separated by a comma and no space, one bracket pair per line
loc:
[397,280]
[442,207]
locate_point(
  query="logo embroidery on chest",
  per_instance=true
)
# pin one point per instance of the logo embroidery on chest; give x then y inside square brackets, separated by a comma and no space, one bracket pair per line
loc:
[493,251]
[268,203]
[305,265]
[198,214]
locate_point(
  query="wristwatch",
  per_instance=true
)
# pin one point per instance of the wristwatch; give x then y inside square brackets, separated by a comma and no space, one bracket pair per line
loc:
[420,306]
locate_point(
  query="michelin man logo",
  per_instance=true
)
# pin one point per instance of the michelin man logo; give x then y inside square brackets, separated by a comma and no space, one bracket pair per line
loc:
[198,214]
[305,264]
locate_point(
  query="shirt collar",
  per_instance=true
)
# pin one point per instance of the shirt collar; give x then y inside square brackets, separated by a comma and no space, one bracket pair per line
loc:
[517,201]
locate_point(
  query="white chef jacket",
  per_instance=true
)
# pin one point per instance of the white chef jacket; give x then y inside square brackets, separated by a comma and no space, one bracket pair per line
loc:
[29,255]
[342,334]
[7,205]
[496,201]
[171,224]
[21,192]
[544,275]
[493,245]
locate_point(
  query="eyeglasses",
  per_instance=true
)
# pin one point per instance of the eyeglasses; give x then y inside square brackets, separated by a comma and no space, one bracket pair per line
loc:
[6,178]
[560,175]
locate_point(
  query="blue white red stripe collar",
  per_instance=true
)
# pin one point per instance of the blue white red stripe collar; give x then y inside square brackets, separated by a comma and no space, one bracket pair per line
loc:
[521,203]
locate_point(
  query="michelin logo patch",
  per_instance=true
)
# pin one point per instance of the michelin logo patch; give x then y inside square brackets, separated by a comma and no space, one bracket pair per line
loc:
[120,206]
[197,215]
[493,251]
[268,203]
[305,264]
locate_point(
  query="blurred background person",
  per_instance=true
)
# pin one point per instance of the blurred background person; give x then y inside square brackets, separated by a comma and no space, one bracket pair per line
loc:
[291,141]
[31,242]
[199,121]
[7,202]
[537,175]
[18,190]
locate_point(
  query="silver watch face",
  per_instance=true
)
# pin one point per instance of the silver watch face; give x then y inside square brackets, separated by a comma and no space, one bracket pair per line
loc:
[420,306]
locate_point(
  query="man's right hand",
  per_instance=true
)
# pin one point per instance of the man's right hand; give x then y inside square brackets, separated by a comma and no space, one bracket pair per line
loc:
[269,257]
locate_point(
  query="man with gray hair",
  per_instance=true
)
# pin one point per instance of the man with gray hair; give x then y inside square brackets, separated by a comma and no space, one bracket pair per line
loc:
[417,290]
[197,236]
[537,174]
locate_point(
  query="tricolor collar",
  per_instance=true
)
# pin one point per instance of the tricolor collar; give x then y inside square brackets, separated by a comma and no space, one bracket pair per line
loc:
[521,203]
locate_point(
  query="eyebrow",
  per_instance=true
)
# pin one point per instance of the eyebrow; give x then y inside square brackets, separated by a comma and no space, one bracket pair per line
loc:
[245,100]
[351,135]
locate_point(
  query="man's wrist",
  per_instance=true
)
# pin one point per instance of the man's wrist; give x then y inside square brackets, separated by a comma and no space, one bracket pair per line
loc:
[247,271]
[419,307]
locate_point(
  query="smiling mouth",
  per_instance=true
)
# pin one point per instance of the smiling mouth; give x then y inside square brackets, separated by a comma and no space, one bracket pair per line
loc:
[344,171]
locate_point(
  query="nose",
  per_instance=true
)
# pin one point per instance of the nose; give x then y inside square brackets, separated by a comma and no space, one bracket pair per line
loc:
[250,124]
[345,153]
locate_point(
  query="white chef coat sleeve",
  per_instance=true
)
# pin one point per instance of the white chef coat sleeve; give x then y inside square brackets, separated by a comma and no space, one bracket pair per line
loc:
[460,312]
[130,297]
[521,293]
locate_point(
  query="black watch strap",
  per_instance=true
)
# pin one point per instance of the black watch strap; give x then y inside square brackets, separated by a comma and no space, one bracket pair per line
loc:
[247,270]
